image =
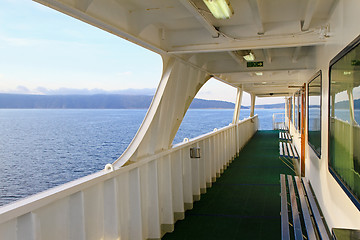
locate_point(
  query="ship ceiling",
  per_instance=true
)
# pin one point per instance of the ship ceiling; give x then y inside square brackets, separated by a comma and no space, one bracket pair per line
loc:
[283,34]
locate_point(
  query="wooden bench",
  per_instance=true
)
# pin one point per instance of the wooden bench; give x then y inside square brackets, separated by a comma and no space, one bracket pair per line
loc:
[284,128]
[288,150]
[285,136]
[306,223]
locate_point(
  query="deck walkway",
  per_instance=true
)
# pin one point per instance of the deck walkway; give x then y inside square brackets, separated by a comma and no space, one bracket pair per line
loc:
[244,203]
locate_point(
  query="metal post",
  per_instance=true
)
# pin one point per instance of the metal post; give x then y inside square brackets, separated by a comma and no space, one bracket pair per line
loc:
[253,97]
[237,105]
[351,106]
[332,105]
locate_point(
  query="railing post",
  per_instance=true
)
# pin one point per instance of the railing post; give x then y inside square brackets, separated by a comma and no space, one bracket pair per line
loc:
[252,111]
[237,105]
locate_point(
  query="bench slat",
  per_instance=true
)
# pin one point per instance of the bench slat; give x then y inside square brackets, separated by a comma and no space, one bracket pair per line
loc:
[291,147]
[296,155]
[285,233]
[288,136]
[285,151]
[318,220]
[305,210]
[290,150]
[294,210]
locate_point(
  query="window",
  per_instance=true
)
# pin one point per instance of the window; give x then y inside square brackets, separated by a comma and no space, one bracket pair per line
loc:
[314,111]
[344,130]
[296,110]
[297,113]
[289,104]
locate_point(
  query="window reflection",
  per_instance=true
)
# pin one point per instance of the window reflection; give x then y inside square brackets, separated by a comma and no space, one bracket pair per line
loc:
[296,110]
[344,139]
[314,111]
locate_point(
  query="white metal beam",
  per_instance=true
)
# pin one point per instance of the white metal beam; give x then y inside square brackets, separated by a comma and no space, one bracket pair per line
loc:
[254,5]
[295,55]
[332,8]
[267,55]
[297,68]
[236,57]
[290,40]
[189,5]
[83,5]
[309,12]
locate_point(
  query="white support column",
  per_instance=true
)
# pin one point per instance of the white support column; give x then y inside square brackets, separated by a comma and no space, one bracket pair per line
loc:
[237,105]
[253,97]
[166,112]
[351,106]
[333,105]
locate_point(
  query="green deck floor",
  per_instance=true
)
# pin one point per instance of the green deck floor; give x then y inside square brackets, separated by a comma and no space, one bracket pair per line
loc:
[244,203]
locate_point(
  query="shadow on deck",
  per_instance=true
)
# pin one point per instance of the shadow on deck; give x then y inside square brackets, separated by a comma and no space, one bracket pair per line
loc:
[244,203]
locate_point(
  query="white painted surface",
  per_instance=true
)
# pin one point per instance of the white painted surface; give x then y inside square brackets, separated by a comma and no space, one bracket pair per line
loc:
[336,206]
[131,202]
[191,55]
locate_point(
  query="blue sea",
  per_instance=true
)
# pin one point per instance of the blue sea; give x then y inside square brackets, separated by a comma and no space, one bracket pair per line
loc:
[43,148]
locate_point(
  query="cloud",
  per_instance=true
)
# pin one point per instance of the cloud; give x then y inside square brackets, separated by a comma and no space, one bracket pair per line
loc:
[18,90]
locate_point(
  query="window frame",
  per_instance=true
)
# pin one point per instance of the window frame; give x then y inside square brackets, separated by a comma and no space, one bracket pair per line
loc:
[338,57]
[296,110]
[317,74]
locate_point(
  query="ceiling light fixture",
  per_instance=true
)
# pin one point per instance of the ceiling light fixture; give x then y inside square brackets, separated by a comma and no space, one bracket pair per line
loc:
[249,57]
[258,73]
[220,9]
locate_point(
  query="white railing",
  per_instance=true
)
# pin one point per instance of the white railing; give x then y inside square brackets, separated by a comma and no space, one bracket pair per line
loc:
[140,201]
[278,120]
[347,136]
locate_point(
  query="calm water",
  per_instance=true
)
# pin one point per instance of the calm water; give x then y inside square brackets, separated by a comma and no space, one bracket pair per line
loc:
[40,149]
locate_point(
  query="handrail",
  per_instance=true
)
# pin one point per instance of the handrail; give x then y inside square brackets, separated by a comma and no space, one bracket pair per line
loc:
[64,188]
[209,134]
[276,123]
[152,178]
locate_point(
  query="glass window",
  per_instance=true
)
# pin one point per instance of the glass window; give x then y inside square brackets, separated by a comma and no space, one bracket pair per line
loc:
[290,108]
[344,149]
[297,110]
[314,111]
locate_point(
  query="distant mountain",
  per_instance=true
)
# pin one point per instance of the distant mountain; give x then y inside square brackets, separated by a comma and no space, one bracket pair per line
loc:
[98,101]
[104,101]
[345,104]
[269,106]
[202,103]
[74,101]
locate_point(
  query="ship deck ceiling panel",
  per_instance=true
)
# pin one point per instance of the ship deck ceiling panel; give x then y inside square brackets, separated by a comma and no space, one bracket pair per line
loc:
[244,203]
[272,30]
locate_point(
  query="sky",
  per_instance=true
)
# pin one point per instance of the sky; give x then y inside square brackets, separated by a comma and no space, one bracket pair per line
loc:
[43,51]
